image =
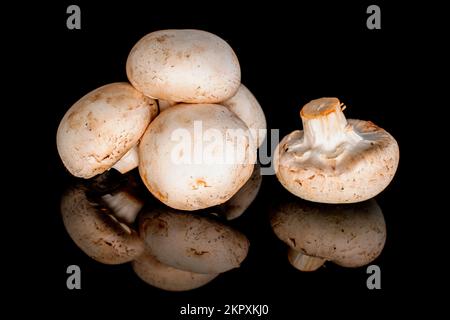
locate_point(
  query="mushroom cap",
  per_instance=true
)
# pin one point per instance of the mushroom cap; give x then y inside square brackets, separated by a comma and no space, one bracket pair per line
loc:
[357,169]
[190,66]
[349,235]
[96,231]
[248,109]
[189,159]
[101,127]
[192,242]
[165,277]
[237,205]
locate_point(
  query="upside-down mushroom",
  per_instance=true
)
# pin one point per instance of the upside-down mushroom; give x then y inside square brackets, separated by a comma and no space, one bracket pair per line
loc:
[350,235]
[335,160]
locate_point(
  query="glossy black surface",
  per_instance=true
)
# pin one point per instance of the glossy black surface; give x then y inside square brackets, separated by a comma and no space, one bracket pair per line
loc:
[288,56]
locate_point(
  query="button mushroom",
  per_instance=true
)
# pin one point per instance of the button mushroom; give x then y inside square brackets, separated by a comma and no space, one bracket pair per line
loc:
[96,230]
[192,242]
[165,277]
[335,160]
[190,66]
[248,109]
[348,235]
[102,128]
[194,156]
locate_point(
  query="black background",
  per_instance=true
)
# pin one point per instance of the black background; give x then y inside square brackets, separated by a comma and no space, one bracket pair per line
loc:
[288,55]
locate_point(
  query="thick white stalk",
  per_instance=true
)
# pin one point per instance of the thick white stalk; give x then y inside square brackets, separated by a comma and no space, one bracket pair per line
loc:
[325,125]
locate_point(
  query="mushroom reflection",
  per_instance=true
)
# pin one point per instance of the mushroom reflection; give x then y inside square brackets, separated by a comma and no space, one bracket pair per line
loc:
[173,250]
[350,235]
[187,250]
[192,242]
[100,224]
[165,277]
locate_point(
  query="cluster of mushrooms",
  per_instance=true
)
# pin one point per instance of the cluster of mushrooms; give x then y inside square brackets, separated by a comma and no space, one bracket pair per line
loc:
[178,78]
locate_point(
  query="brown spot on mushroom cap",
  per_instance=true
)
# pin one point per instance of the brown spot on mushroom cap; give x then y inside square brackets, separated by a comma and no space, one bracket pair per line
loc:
[196,252]
[74,120]
[163,38]
[199,183]
[158,194]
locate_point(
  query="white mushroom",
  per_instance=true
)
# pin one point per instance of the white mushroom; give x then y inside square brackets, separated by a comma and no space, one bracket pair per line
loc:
[165,277]
[248,109]
[196,156]
[350,235]
[334,160]
[190,66]
[96,230]
[192,242]
[102,128]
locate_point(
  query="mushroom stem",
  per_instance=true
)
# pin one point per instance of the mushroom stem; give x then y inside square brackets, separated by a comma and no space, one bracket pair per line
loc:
[128,162]
[304,262]
[125,206]
[325,125]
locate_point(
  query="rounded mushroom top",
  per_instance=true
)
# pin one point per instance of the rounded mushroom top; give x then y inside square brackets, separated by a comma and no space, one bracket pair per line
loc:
[194,156]
[101,127]
[349,235]
[334,160]
[190,66]
[192,242]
